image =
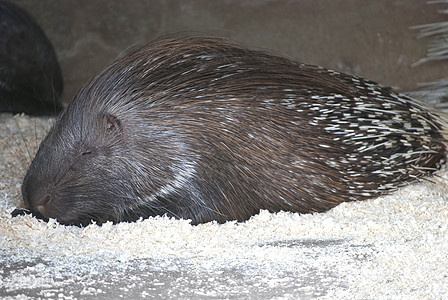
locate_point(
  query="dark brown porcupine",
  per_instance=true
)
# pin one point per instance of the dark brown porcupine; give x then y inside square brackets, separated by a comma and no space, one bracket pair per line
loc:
[202,129]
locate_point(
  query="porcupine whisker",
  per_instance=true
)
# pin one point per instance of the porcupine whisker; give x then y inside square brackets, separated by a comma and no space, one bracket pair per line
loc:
[60,174]
[36,140]
[19,155]
[54,95]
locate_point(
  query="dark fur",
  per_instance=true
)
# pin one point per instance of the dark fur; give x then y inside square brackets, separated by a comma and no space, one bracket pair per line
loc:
[30,76]
[201,129]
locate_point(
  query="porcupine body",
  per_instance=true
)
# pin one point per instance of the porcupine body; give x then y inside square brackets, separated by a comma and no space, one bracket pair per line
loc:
[203,129]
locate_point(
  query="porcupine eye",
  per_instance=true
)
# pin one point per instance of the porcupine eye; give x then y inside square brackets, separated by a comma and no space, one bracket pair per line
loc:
[111,129]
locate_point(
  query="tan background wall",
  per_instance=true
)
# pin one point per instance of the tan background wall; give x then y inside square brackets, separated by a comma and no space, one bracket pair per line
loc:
[367,38]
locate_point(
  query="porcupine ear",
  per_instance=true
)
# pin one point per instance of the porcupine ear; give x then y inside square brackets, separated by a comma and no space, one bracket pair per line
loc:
[111,125]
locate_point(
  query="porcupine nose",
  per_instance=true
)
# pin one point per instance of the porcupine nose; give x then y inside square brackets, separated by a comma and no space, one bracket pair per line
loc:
[36,202]
[41,205]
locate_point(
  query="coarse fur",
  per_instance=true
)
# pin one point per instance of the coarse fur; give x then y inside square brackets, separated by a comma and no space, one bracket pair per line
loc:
[30,76]
[202,129]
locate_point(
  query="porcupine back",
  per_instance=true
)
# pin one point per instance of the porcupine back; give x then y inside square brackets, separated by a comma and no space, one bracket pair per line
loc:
[206,130]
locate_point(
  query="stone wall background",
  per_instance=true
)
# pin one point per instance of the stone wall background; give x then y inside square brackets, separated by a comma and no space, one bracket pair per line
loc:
[367,38]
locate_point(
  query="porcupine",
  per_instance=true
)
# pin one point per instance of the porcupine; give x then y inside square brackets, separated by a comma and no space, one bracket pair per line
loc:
[200,128]
[30,76]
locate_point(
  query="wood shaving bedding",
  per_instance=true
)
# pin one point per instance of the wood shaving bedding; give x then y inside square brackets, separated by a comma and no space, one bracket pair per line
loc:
[391,247]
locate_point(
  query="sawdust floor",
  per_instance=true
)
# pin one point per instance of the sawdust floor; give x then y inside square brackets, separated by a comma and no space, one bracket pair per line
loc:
[394,247]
